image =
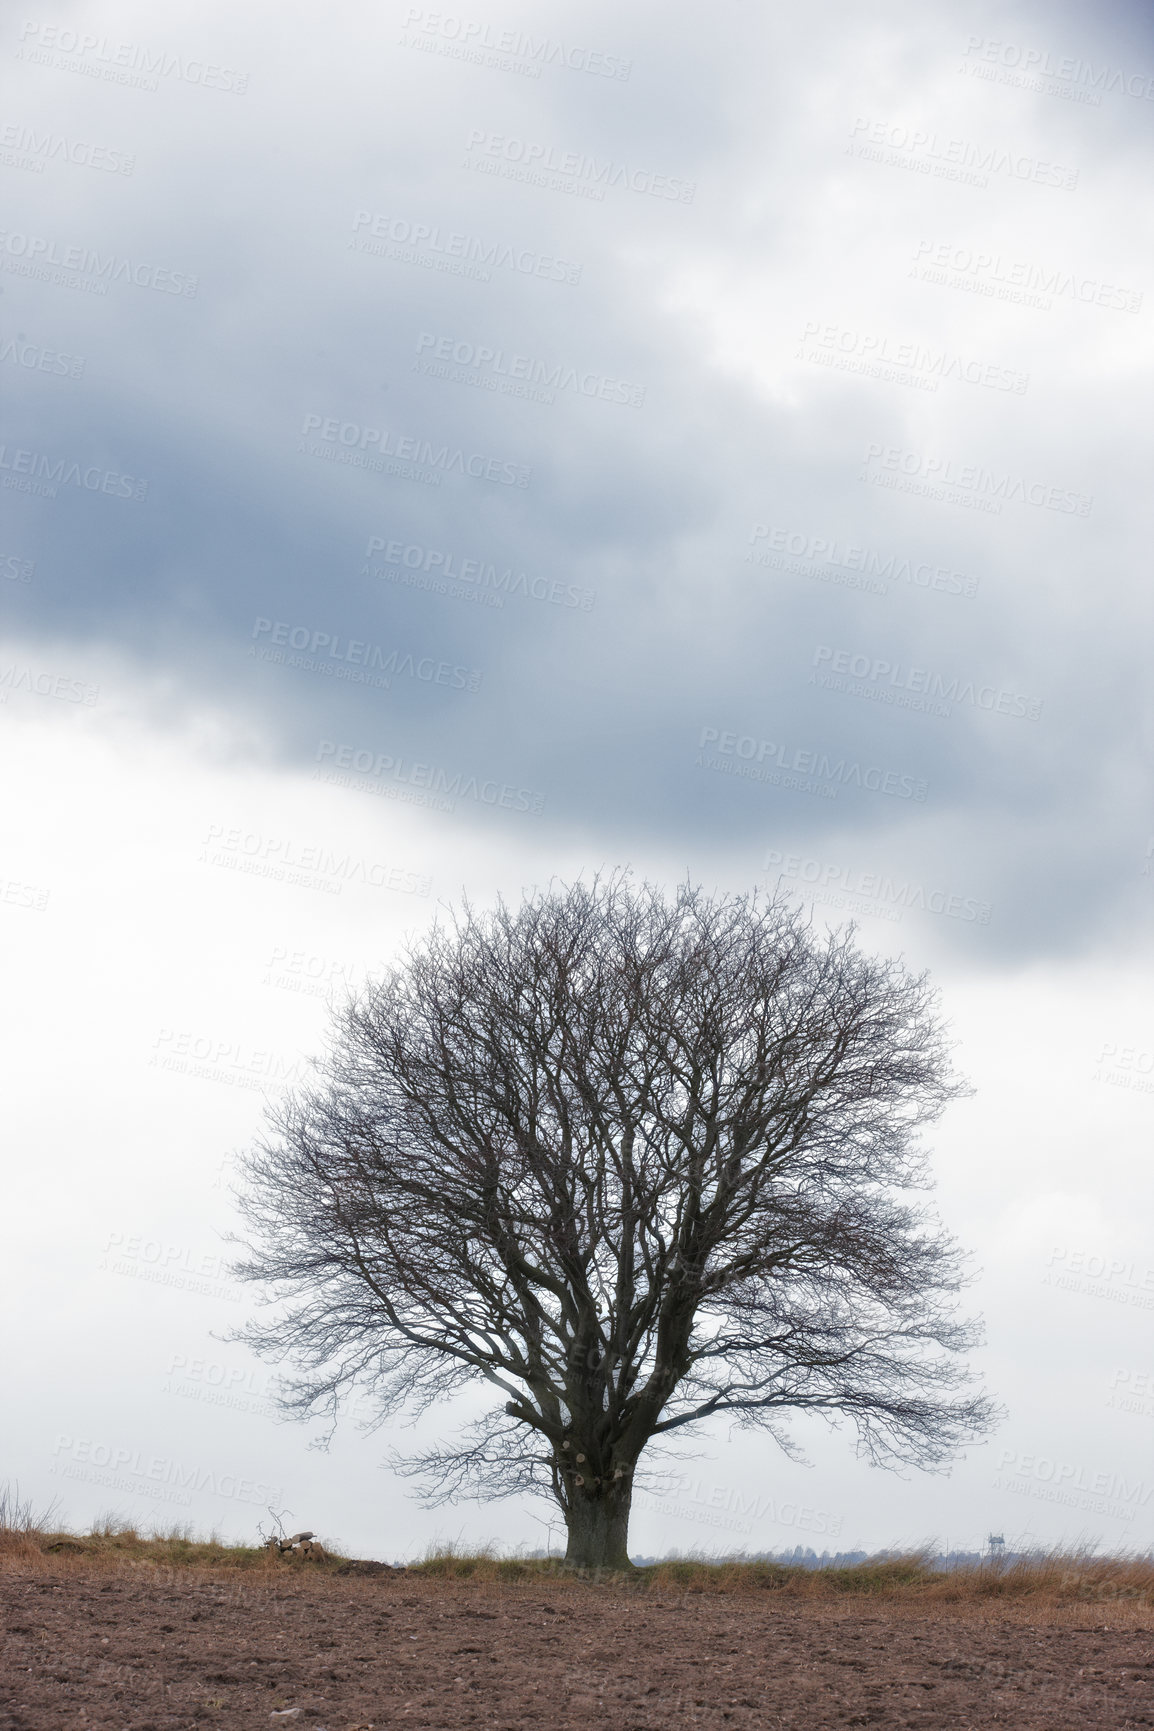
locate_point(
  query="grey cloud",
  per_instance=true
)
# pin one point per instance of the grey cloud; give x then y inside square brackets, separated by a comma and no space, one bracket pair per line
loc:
[679,521]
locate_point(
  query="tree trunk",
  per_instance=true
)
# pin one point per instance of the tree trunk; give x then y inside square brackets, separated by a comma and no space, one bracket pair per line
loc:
[598,1531]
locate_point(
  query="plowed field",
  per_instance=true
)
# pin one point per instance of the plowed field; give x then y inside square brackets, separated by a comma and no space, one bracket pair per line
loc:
[155,1649]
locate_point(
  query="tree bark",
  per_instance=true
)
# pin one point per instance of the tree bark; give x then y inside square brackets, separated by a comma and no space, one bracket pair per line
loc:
[599,1530]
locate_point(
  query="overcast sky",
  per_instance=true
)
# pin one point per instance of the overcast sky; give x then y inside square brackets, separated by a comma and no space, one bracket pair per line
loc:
[444,451]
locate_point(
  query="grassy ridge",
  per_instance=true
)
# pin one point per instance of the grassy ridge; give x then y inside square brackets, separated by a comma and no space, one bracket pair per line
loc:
[178,1549]
[27,1536]
[1057,1577]
[1045,1579]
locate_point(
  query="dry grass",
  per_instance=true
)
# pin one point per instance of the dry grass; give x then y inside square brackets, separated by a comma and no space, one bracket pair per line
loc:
[1045,1579]
[1048,1582]
[29,1537]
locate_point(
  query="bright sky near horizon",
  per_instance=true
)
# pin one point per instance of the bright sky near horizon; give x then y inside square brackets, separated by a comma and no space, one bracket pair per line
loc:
[444,451]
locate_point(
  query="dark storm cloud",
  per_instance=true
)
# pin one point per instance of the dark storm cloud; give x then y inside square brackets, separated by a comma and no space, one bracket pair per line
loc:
[627,436]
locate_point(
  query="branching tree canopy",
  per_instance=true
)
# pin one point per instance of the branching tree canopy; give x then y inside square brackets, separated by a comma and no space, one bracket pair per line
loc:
[638,1160]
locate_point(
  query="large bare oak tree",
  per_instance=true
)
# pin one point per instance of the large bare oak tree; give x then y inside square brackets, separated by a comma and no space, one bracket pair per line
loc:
[640,1161]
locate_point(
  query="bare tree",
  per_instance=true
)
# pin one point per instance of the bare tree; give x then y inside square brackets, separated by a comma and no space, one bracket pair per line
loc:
[637,1160]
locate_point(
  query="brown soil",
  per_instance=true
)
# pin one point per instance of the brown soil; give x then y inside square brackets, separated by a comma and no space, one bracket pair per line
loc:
[149,1649]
